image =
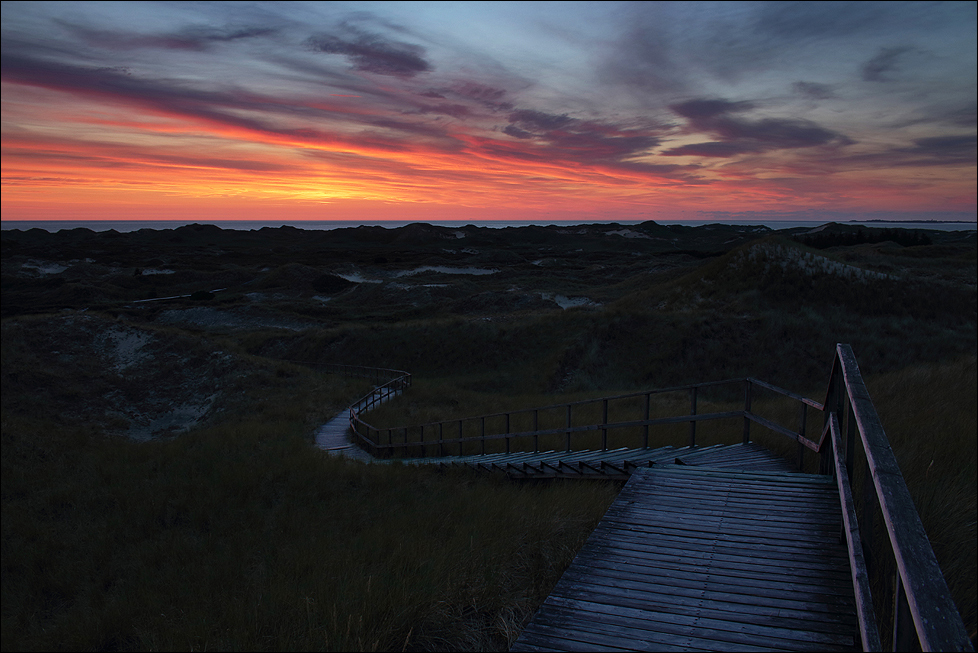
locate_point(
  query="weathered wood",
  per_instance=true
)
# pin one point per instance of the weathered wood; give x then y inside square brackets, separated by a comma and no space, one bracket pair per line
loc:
[777,428]
[588,427]
[869,633]
[938,624]
[787,393]
[715,577]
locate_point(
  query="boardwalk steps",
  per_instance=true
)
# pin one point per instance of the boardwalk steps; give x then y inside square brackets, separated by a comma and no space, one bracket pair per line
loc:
[617,464]
[697,558]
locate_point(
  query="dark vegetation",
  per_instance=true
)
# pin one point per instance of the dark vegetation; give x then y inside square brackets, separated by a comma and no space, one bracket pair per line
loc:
[158,486]
[903,237]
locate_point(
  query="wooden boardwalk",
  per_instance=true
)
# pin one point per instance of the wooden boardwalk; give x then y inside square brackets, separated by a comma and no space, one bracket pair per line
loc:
[703,558]
[709,548]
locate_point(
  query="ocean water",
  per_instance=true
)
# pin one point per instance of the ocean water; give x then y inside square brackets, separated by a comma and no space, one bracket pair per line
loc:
[246,225]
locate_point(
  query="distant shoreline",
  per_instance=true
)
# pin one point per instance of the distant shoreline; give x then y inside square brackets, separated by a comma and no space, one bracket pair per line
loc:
[916,221]
[328,225]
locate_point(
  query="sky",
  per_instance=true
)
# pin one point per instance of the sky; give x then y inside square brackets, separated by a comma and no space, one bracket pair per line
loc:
[497,110]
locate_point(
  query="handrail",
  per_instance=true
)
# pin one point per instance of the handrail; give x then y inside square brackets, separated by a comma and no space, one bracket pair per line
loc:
[364,430]
[920,586]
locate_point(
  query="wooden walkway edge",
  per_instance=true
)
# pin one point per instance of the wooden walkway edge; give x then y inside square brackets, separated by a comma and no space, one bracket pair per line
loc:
[697,558]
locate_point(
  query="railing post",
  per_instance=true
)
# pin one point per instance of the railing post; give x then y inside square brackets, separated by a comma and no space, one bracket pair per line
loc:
[604,421]
[648,414]
[483,436]
[568,448]
[441,438]
[460,437]
[747,398]
[507,432]
[692,412]
[833,404]
[801,432]
[424,449]
[536,427]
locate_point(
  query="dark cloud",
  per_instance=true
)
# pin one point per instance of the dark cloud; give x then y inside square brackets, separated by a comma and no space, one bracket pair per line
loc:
[813,90]
[372,53]
[701,110]
[516,132]
[560,137]
[446,109]
[196,38]
[738,135]
[885,61]
[535,121]
[943,150]
[716,149]
[963,117]
[487,96]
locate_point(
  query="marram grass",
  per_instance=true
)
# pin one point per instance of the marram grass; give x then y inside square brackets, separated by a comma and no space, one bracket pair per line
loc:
[244,537]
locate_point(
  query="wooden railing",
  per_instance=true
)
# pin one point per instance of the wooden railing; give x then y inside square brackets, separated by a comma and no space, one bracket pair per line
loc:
[921,611]
[448,437]
[898,584]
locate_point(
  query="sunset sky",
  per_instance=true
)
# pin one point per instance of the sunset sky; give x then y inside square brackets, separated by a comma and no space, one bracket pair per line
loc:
[458,111]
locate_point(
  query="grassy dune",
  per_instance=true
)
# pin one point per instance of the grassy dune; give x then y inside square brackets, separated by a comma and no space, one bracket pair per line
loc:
[241,536]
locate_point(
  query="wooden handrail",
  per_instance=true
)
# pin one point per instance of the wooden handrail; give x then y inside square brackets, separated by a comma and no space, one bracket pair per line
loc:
[357,424]
[920,584]
[362,428]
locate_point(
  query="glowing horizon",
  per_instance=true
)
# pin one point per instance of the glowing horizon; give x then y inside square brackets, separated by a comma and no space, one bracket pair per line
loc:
[443,111]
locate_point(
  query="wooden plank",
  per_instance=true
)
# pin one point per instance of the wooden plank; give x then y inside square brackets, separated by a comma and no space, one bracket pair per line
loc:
[769,506]
[710,623]
[811,510]
[708,520]
[737,578]
[784,549]
[669,553]
[746,528]
[675,638]
[731,559]
[771,594]
[682,628]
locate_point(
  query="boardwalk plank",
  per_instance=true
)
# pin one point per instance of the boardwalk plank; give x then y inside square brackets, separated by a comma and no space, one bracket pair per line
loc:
[679,628]
[707,559]
[705,622]
[740,578]
[772,590]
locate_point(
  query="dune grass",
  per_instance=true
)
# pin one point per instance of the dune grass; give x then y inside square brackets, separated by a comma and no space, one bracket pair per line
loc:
[242,536]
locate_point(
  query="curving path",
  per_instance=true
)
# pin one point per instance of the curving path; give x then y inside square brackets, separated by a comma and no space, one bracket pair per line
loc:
[334,437]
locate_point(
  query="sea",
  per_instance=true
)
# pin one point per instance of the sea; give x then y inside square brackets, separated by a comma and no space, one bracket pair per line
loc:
[326,225]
